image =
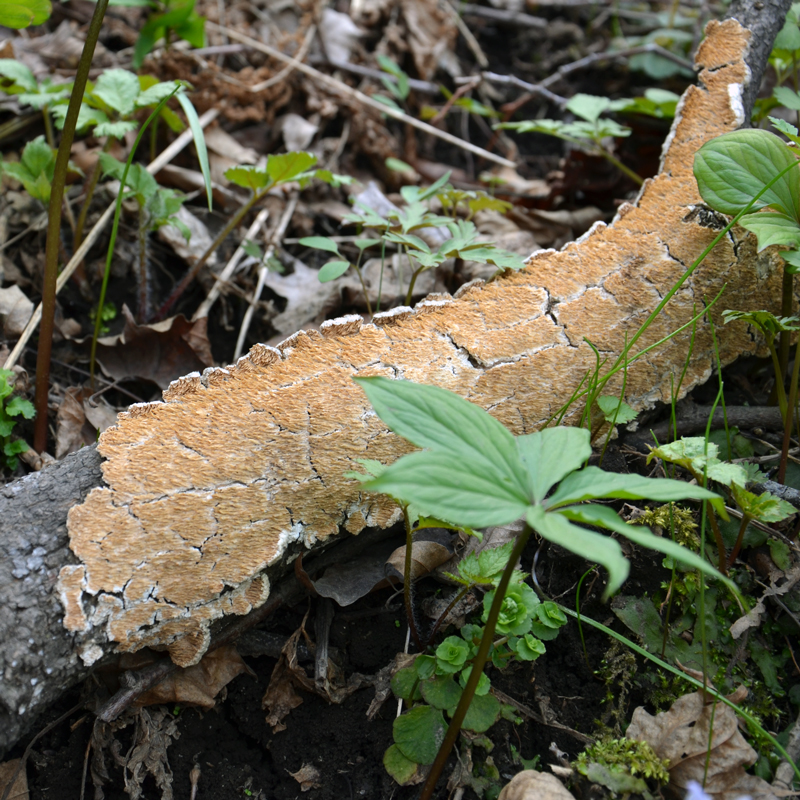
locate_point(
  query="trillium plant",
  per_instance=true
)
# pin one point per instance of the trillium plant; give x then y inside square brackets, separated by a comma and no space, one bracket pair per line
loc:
[473,473]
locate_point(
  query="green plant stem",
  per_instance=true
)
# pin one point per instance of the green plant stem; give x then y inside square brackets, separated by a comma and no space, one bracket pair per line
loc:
[407,599]
[363,288]
[200,263]
[738,546]
[443,616]
[478,664]
[787,425]
[787,303]
[48,127]
[411,283]
[637,179]
[712,520]
[141,272]
[54,227]
[101,303]
[91,186]
[779,365]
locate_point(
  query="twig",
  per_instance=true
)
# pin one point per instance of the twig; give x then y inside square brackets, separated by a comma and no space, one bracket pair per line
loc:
[460,92]
[230,267]
[469,37]
[542,88]
[425,87]
[501,15]
[166,156]
[47,728]
[342,88]
[262,272]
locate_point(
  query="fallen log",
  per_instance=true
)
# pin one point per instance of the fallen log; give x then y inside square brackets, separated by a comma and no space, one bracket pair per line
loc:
[203,496]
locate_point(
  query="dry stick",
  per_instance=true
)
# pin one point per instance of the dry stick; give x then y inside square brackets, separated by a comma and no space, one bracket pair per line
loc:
[342,88]
[469,37]
[166,156]
[230,267]
[262,272]
[582,63]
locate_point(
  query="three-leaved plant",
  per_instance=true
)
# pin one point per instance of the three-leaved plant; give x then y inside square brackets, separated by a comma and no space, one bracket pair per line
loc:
[11,408]
[472,472]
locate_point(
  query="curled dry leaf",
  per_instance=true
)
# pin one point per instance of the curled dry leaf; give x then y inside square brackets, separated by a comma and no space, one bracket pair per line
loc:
[431,548]
[532,785]
[160,353]
[199,241]
[200,684]
[339,35]
[79,420]
[684,735]
[308,777]
[15,311]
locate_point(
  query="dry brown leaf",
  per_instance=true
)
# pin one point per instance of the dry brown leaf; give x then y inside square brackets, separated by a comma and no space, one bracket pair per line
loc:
[19,791]
[160,353]
[78,420]
[425,557]
[308,777]
[532,785]
[198,243]
[15,311]
[200,684]
[431,33]
[281,697]
[684,735]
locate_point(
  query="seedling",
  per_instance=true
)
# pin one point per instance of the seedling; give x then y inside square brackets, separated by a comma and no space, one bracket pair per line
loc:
[22,83]
[10,410]
[34,170]
[157,207]
[589,132]
[171,18]
[399,87]
[279,170]
[472,472]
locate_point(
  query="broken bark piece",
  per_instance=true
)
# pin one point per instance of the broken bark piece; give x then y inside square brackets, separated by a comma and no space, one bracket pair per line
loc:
[209,488]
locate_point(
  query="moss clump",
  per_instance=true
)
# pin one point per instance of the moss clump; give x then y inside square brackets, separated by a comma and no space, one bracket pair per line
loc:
[624,755]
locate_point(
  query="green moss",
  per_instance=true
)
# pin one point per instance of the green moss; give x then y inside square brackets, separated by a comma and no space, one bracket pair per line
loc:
[624,755]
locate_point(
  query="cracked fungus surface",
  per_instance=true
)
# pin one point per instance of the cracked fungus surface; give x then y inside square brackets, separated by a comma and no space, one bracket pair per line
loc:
[208,488]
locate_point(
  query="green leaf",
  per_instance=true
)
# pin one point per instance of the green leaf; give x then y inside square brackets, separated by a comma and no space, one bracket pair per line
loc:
[615,411]
[115,129]
[398,766]
[485,566]
[154,94]
[772,227]
[604,517]
[550,455]
[593,483]
[733,168]
[17,72]
[419,733]
[320,243]
[332,270]
[591,546]
[248,177]
[431,417]
[787,97]
[452,488]
[118,89]
[785,128]
[199,141]
[765,507]
[406,684]
[482,713]
[442,692]
[587,106]
[19,406]
[22,13]
[529,648]
[286,166]
[396,165]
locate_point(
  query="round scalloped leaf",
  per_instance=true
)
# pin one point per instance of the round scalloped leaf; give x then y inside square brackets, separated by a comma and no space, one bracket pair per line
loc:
[419,733]
[398,766]
[482,714]
[442,693]
[404,682]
